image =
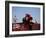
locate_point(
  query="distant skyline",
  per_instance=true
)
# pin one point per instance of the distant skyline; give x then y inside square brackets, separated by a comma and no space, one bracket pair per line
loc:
[20,12]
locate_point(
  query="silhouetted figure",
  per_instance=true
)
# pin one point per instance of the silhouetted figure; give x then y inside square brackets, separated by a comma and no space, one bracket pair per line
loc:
[27,20]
